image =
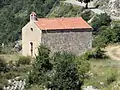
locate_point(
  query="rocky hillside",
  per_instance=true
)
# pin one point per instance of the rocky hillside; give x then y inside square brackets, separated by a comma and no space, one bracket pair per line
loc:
[112,7]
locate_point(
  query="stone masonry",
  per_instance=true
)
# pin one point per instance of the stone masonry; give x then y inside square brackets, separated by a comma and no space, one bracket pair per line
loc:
[76,42]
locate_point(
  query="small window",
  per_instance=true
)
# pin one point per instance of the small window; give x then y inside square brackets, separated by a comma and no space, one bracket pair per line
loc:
[31,29]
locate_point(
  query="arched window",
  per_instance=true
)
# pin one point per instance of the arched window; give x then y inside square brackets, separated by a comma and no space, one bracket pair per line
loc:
[31,48]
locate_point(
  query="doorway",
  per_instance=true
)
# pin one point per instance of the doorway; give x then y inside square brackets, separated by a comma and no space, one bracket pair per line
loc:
[31,48]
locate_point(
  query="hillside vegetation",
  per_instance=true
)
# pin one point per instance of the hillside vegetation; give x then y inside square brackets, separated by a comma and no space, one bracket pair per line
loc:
[15,14]
[60,71]
[65,10]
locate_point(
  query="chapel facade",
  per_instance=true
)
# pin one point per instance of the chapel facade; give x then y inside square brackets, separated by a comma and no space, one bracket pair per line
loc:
[59,34]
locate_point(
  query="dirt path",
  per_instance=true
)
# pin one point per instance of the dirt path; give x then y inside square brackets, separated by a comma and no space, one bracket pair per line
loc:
[113,52]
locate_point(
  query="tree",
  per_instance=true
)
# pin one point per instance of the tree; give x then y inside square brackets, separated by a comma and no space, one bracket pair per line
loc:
[41,67]
[61,71]
[68,74]
[86,15]
[12,22]
[107,35]
[101,20]
[85,1]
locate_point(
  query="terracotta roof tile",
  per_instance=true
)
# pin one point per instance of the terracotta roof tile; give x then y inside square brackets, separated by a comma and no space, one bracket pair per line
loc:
[62,23]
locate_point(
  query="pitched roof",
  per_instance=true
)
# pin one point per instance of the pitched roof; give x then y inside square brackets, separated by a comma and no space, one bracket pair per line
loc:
[62,23]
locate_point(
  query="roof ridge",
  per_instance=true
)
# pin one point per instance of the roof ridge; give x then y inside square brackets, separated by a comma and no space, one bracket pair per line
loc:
[59,17]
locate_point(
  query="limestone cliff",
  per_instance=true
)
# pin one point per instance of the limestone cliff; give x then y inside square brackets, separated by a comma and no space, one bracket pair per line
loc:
[112,7]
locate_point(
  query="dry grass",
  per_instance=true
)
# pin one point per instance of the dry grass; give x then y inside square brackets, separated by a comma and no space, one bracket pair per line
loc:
[100,70]
[113,51]
[10,57]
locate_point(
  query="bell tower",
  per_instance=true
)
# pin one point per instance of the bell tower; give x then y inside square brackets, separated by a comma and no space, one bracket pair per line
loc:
[33,17]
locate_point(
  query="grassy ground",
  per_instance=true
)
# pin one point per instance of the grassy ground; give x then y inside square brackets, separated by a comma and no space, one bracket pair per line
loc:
[102,70]
[12,69]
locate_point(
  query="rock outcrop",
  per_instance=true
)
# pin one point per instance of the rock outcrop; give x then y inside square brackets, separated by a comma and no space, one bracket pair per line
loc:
[112,7]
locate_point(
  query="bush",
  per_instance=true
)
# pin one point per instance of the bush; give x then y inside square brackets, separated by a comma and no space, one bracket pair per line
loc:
[101,20]
[41,67]
[107,35]
[86,15]
[1,86]
[97,53]
[7,49]
[69,72]
[111,77]
[3,65]
[65,10]
[62,70]
[10,75]
[24,60]
[24,69]
[87,55]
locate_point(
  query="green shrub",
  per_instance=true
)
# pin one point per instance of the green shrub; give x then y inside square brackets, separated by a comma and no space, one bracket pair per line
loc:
[111,77]
[7,49]
[24,60]
[87,55]
[1,86]
[61,71]
[65,10]
[101,20]
[3,82]
[3,65]
[86,15]
[41,67]
[24,69]
[107,35]
[10,75]
[97,53]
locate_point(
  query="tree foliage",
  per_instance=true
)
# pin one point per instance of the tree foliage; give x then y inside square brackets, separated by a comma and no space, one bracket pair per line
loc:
[101,20]
[41,67]
[69,72]
[65,75]
[86,15]
[65,10]
[97,53]
[107,35]
[15,14]
[61,71]
[3,65]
